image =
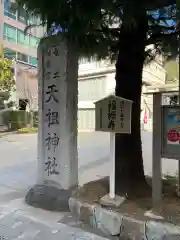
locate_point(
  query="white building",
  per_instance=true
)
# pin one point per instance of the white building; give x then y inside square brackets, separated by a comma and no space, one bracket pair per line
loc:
[97,80]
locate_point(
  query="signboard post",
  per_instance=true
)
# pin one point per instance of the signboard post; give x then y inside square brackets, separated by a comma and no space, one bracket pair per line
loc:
[113,115]
[112,161]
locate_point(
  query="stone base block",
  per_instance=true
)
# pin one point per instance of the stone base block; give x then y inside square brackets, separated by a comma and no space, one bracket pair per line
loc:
[113,203]
[162,231]
[108,222]
[153,215]
[49,198]
[113,223]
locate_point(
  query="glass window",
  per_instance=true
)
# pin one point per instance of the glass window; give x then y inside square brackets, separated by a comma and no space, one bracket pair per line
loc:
[22,16]
[22,57]
[8,10]
[33,41]
[33,20]
[22,38]
[8,53]
[86,60]
[10,33]
[33,61]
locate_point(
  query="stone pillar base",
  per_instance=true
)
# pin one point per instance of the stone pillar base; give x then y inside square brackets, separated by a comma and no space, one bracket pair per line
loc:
[49,197]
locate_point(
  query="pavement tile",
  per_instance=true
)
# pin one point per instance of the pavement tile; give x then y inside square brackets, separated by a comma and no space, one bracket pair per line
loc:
[14,226]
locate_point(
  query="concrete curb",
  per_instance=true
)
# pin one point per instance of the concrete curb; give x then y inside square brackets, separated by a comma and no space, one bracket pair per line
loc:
[4,134]
[112,223]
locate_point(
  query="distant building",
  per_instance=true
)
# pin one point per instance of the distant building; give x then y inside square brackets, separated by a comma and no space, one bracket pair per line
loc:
[97,79]
[26,94]
[19,46]
[15,43]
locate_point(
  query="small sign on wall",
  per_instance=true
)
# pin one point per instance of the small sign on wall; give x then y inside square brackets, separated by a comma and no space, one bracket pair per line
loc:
[170,140]
[113,114]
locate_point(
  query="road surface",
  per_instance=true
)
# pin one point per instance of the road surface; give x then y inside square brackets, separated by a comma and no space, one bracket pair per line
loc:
[19,153]
[18,173]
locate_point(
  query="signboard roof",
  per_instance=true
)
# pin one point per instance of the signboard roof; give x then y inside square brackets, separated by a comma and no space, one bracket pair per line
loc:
[113,96]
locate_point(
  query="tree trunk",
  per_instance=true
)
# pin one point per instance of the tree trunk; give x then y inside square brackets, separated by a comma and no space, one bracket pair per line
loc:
[130,176]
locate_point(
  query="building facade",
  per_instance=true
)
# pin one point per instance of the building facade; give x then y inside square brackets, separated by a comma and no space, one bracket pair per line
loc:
[15,43]
[97,80]
[21,47]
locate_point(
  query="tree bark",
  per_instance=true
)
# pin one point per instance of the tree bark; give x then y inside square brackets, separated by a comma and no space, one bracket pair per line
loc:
[130,176]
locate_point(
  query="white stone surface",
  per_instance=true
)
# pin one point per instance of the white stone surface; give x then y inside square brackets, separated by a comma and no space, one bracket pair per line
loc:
[20,221]
[15,226]
[113,223]
[116,202]
[108,221]
[152,215]
[57,139]
[162,231]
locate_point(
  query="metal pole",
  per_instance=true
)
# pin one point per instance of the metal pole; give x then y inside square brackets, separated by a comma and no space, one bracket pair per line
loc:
[156,153]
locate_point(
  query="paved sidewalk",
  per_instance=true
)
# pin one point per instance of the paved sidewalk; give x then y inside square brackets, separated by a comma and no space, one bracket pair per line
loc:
[19,221]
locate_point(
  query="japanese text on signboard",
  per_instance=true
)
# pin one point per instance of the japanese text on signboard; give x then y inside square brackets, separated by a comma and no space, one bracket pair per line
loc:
[52,117]
[122,114]
[112,114]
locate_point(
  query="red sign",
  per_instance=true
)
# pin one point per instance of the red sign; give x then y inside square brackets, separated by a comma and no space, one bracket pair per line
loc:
[145,118]
[173,136]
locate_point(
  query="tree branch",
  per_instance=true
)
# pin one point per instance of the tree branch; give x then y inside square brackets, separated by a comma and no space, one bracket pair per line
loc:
[172,17]
[159,37]
[112,31]
[160,27]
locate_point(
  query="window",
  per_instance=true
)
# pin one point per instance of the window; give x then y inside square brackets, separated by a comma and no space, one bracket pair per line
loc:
[22,16]
[8,10]
[33,41]
[10,54]
[91,89]
[86,60]
[33,20]
[33,61]
[10,33]
[22,39]
[22,57]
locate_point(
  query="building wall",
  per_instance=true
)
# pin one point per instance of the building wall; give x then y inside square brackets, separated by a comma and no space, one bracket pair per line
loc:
[97,80]
[16,44]
[1,19]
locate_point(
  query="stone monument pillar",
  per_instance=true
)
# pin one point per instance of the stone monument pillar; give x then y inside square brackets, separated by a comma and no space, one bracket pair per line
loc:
[57,174]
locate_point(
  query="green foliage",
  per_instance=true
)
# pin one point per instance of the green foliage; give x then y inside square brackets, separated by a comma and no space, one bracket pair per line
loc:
[95,26]
[6,75]
[18,119]
[171,180]
[27,130]
[86,22]
[172,69]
